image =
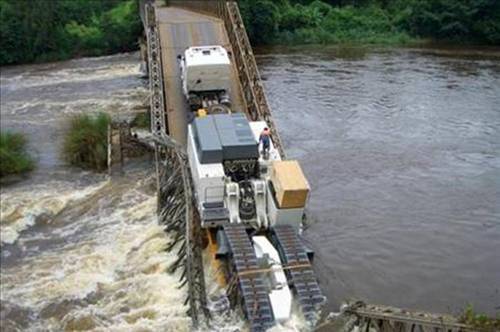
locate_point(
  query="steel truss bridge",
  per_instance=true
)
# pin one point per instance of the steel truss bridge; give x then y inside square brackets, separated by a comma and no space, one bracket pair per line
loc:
[169,28]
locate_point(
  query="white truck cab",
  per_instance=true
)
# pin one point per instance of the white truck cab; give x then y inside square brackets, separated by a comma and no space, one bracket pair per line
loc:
[206,75]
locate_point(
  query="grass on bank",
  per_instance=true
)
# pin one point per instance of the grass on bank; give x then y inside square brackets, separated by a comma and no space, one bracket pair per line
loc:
[141,120]
[86,143]
[14,158]
[480,322]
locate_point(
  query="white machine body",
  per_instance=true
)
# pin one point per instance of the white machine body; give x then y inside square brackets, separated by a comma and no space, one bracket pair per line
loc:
[231,174]
[212,185]
[205,68]
[280,295]
[209,179]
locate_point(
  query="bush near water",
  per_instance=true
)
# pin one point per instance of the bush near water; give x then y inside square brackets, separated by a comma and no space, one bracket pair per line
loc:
[141,120]
[481,322]
[14,158]
[86,142]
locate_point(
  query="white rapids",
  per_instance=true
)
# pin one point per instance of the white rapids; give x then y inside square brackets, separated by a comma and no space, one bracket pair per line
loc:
[80,251]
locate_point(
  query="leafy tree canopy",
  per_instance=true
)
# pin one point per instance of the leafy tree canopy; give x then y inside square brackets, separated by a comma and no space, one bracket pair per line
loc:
[41,30]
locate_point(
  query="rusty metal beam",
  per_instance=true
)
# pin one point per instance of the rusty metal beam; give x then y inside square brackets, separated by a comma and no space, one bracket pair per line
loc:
[177,211]
[388,319]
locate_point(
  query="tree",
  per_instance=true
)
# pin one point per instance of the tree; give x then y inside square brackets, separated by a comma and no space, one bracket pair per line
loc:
[261,18]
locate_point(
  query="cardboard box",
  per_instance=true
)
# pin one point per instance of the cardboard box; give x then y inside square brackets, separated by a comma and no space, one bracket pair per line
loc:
[290,185]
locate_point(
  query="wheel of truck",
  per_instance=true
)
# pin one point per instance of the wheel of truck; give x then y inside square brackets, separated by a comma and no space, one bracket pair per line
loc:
[218,109]
[194,102]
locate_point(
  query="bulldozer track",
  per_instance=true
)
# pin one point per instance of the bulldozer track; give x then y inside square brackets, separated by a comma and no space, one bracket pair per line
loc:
[251,287]
[302,279]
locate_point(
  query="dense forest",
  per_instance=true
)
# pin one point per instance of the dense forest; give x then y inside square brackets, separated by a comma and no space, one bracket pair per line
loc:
[372,21]
[42,30]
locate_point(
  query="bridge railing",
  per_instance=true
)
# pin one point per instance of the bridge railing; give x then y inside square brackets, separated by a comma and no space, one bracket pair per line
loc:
[142,11]
[255,99]
[366,317]
[210,7]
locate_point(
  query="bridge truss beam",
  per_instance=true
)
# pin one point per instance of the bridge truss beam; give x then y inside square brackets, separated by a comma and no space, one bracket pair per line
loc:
[378,318]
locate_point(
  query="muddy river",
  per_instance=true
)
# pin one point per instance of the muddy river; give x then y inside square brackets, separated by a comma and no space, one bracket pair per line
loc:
[401,148]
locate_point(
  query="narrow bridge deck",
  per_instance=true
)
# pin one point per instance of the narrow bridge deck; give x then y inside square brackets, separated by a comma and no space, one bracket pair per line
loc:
[178,30]
[169,31]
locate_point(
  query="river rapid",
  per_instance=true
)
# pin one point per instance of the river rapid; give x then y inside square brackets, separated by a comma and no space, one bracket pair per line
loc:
[78,251]
[401,148]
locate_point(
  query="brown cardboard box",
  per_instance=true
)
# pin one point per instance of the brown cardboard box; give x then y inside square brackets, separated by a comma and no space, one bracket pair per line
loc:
[290,184]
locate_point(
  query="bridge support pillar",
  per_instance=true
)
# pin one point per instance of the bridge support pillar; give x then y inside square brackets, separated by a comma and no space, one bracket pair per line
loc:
[115,149]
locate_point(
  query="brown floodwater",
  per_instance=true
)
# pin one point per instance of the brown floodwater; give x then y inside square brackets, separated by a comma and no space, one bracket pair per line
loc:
[402,150]
[401,147]
[78,251]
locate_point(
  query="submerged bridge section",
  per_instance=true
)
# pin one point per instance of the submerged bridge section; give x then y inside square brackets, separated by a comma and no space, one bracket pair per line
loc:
[359,316]
[168,31]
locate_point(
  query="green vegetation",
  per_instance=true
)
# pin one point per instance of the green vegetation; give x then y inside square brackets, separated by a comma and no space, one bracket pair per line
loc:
[86,143]
[479,321]
[142,120]
[41,30]
[13,156]
[371,21]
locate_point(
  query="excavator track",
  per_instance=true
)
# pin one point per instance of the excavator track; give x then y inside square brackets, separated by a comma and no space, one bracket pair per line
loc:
[299,271]
[251,286]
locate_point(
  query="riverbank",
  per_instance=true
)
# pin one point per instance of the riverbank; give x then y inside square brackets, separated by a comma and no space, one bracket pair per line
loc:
[289,22]
[41,31]
[69,29]
[440,49]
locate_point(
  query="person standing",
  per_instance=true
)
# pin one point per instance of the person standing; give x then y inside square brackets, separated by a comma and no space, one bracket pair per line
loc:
[265,139]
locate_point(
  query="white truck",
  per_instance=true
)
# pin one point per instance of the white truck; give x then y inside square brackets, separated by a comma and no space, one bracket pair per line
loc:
[206,78]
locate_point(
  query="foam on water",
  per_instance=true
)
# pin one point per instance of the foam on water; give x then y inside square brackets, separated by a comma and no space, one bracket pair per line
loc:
[79,70]
[109,274]
[80,252]
[22,206]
